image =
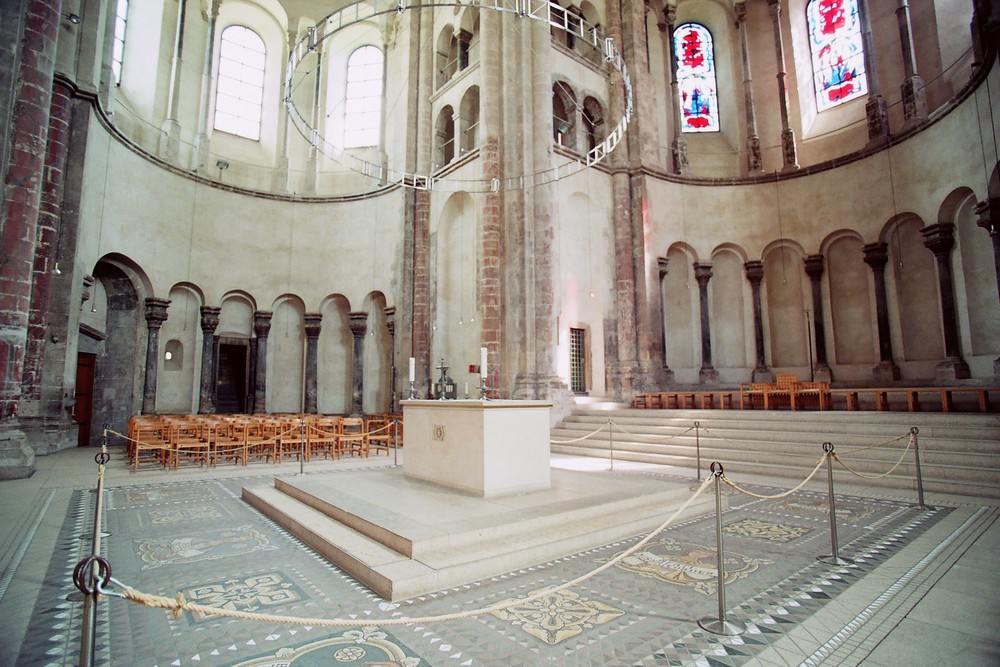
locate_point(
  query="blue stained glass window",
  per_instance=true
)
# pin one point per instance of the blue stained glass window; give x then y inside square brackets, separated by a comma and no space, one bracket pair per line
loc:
[838,56]
[696,78]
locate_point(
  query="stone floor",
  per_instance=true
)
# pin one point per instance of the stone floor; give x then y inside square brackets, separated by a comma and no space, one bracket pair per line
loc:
[919,592]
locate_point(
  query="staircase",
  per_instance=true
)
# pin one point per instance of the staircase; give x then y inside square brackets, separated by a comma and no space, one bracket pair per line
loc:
[959,453]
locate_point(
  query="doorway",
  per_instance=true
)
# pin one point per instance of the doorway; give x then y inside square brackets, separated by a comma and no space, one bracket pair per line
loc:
[231,377]
[86,364]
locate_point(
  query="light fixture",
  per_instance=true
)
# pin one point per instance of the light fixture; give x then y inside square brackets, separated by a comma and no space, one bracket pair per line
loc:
[55,270]
[73,18]
[222,165]
[168,355]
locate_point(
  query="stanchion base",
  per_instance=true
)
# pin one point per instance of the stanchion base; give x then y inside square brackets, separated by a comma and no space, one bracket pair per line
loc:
[834,560]
[928,508]
[717,626]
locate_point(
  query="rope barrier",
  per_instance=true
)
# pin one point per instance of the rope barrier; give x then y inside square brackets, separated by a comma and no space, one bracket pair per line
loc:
[589,435]
[881,444]
[885,474]
[739,489]
[177,604]
[651,435]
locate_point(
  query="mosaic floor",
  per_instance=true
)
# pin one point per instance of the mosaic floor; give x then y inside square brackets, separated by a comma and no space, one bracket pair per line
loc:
[200,539]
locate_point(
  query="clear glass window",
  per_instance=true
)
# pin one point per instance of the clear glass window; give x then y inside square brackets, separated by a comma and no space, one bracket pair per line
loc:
[118,46]
[363,97]
[239,91]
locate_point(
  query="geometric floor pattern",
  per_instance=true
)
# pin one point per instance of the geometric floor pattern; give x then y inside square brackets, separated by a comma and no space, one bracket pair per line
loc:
[201,539]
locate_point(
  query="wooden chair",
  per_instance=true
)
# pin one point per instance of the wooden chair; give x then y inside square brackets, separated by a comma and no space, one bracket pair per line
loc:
[262,440]
[291,437]
[780,393]
[379,431]
[148,442]
[322,436]
[230,440]
[190,440]
[352,437]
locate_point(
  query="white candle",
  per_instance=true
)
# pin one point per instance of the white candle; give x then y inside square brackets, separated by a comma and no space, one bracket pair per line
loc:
[466,389]
[413,369]
[482,362]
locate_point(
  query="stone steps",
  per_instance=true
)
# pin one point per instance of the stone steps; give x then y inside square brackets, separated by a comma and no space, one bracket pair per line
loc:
[427,538]
[957,451]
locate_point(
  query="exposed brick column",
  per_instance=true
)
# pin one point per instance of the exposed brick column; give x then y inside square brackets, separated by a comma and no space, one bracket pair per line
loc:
[313,326]
[988,217]
[23,181]
[707,374]
[755,274]
[876,257]
[261,327]
[46,242]
[421,328]
[359,326]
[156,315]
[814,269]
[206,394]
[940,239]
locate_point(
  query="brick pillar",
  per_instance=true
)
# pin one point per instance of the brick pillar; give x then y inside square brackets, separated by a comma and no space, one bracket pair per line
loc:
[22,185]
[421,327]
[206,394]
[261,327]
[755,274]
[988,217]
[156,315]
[707,374]
[876,257]
[814,269]
[313,326]
[359,325]
[940,239]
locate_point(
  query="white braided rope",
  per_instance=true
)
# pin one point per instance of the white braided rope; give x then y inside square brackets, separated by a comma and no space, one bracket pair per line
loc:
[589,435]
[880,444]
[651,435]
[885,474]
[734,486]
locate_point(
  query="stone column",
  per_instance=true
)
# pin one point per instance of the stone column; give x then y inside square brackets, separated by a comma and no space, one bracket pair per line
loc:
[940,239]
[170,139]
[914,95]
[988,217]
[788,149]
[876,110]
[283,167]
[755,274]
[754,160]
[814,269]
[201,142]
[876,257]
[209,323]
[661,263]
[156,315]
[312,162]
[261,327]
[390,325]
[707,374]
[679,144]
[313,326]
[359,325]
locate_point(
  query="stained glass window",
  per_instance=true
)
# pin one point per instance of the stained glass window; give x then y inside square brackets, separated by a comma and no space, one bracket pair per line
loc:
[696,78]
[363,98]
[838,56]
[239,95]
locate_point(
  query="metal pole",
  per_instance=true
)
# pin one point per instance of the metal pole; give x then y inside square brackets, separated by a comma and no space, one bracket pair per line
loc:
[302,446]
[697,446]
[920,480]
[835,558]
[395,442]
[88,631]
[720,626]
[611,442]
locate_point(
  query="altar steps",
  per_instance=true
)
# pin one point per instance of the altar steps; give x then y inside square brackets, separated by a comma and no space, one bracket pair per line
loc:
[959,453]
[404,538]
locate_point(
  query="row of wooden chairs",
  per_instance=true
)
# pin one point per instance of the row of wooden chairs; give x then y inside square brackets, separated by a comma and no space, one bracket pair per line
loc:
[169,441]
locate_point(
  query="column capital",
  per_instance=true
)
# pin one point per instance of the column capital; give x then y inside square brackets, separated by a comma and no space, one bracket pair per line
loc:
[661,267]
[754,271]
[775,7]
[262,323]
[313,324]
[740,9]
[358,323]
[209,319]
[939,238]
[390,319]
[814,266]
[702,272]
[988,214]
[156,311]
[876,255]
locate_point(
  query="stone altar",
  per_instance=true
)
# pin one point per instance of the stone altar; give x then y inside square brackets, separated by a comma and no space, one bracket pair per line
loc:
[486,448]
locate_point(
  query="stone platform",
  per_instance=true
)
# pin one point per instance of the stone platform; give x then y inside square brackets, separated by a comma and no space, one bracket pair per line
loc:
[403,537]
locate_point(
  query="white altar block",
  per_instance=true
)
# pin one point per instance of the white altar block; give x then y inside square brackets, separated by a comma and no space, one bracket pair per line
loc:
[487,448]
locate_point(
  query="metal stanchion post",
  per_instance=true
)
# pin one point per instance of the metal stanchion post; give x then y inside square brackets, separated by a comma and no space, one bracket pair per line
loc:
[611,442]
[834,558]
[697,445]
[395,442]
[88,576]
[920,479]
[302,446]
[720,625]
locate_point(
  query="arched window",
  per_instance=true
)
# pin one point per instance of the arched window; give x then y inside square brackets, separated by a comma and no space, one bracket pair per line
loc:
[363,97]
[696,78]
[118,48]
[239,93]
[838,56]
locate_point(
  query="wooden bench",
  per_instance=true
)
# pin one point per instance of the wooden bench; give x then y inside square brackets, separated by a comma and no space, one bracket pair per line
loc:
[681,400]
[946,395]
[785,390]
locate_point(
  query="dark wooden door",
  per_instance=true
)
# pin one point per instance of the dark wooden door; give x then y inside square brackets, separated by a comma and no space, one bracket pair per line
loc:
[84,406]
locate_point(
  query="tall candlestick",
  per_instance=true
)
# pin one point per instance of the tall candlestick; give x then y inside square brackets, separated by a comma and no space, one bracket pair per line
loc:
[482,362]
[413,369]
